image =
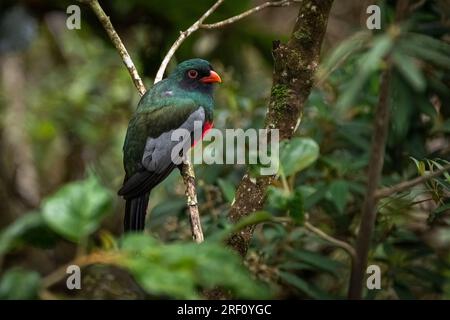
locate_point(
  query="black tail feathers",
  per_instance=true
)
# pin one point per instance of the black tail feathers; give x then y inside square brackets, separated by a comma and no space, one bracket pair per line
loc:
[135,211]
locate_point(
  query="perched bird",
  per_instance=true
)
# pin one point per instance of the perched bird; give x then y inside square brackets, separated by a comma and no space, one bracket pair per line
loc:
[180,100]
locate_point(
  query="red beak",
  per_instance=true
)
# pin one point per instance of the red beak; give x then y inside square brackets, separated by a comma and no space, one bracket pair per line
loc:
[212,78]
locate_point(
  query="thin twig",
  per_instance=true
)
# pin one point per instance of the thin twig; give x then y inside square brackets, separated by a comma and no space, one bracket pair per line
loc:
[369,209]
[405,185]
[187,171]
[417,5]
[378,146]
[235,18]
[182,37]
[199,25]
[105,21]
[339,243]
[308,226]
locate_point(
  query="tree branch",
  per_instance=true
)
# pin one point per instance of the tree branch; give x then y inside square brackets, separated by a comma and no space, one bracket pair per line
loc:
[294,67]
[405,185]
[182,37]
[238,17]
[187,172]
[104,20]
[376,161]
[338,243]
[369,210]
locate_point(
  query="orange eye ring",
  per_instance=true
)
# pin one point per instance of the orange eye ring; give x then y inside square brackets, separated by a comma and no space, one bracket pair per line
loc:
[192,74]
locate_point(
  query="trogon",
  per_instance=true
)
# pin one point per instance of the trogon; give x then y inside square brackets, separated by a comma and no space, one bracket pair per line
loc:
[181,101]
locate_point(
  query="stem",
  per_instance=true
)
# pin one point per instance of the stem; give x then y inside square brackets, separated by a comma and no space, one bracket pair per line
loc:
[369,210]
[405,185]
[188,174]
[238,17]
[341,244]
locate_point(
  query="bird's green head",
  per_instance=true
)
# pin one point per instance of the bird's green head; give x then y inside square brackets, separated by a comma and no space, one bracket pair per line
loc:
[195,74]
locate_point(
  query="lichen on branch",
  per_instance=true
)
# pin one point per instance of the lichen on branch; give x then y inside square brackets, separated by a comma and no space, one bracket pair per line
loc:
[295,63]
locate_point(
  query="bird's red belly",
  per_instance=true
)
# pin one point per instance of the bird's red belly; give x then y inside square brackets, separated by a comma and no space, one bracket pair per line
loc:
[206,127]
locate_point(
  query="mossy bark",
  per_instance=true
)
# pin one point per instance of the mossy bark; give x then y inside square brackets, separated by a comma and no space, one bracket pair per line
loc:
[294,65]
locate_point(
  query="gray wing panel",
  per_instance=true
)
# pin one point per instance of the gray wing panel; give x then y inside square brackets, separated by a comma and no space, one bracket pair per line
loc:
[158,151]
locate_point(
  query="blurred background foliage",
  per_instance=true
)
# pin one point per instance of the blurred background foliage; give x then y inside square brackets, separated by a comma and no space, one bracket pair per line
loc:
[65,101]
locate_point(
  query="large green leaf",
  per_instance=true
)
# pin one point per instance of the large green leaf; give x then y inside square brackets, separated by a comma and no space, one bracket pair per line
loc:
[178,270]
[18,284]
[297,154]
[76,210]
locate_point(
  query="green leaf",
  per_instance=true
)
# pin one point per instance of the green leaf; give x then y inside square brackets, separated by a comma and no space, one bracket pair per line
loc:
[408,68]
[305,287]
[403,290]
[292,265]
[428,275]
[296,207]
[297,154]
[228,189]
[312,196]
[420,166]
[440,167]
[19,284]
[277,198]
[429,42]
[16,231]
[439,212]
[317,260]
[344,50]
[403,108]
[431,54]
[339,191]
[252,219]
[76,210]
[367,63]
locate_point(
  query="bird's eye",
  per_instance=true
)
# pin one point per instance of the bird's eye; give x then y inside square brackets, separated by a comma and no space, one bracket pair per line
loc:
[192,74]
